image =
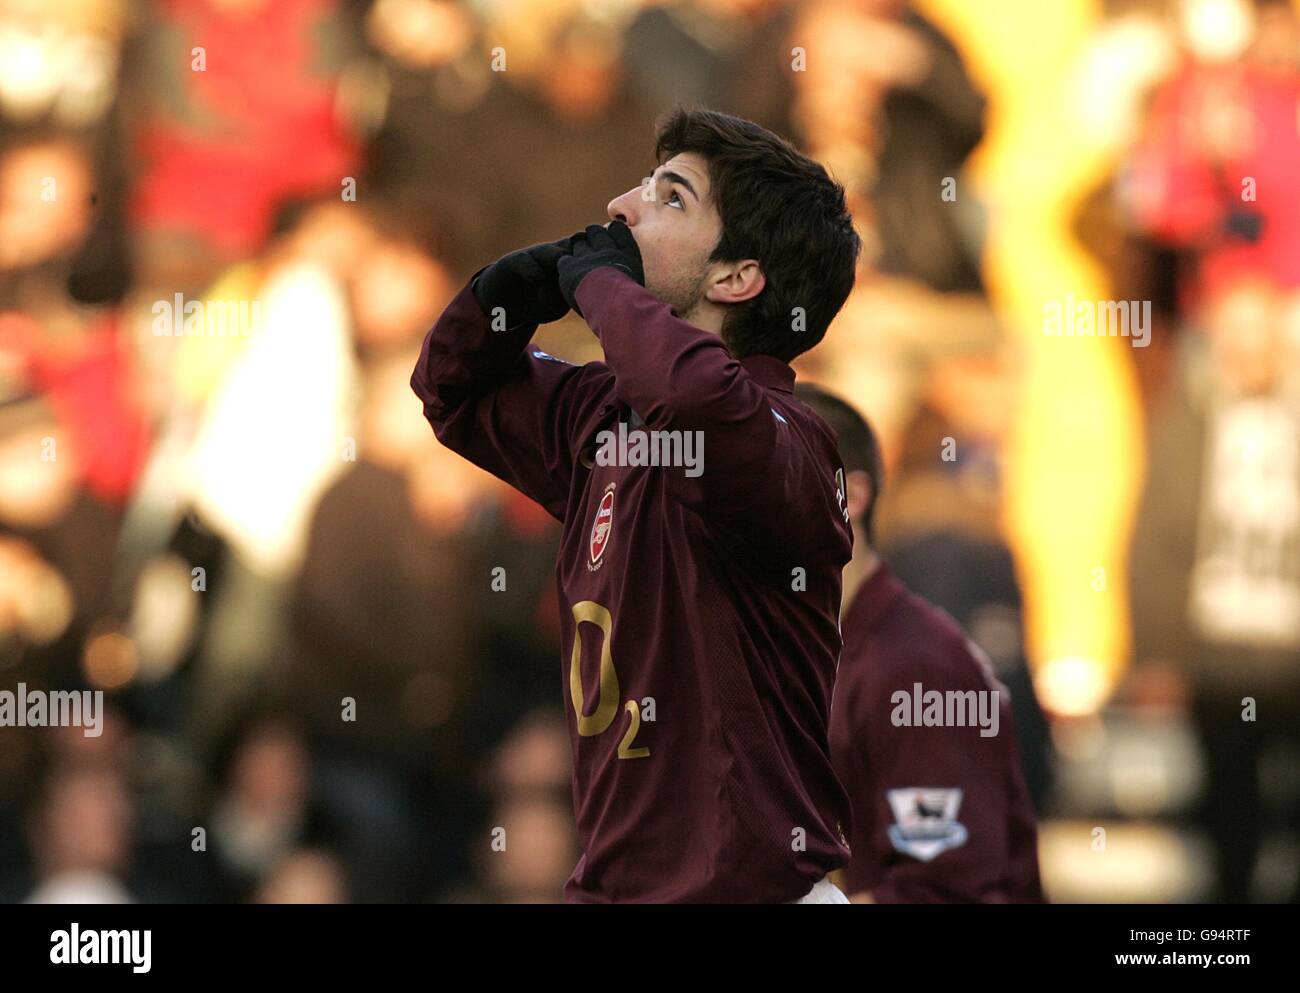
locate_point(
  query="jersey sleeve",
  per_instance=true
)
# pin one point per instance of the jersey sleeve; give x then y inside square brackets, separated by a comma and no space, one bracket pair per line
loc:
[941,798]
[504,404]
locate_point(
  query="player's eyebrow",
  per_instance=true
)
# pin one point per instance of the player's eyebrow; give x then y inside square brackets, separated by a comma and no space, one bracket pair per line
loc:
[676,177]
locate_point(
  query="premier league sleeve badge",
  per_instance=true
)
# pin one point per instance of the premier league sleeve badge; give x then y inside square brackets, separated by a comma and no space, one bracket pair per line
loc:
[925,821]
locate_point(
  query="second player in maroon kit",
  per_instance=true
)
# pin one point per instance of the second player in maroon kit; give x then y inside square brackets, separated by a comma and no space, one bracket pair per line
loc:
[941,812]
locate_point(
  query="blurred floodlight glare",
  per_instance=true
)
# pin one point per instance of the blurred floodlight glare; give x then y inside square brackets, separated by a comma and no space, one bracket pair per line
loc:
[1217,30]
[1072,686]
[27,79]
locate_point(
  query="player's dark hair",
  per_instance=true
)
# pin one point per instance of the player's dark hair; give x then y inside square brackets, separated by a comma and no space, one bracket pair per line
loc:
[859,450]
[777,206]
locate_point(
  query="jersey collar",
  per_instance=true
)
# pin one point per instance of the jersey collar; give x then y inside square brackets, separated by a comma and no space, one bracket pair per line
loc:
[770,372]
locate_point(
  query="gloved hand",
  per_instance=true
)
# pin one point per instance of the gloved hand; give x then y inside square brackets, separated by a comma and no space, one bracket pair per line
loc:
[599,246]
[525,284]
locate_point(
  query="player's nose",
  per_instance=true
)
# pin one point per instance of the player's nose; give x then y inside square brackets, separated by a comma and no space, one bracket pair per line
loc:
[624,208]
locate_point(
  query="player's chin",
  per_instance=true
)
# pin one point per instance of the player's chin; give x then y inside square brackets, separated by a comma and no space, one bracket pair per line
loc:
[664,284]
[657,289]
[676,301]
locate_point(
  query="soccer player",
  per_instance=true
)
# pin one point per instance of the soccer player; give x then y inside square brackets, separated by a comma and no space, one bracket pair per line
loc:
[921,731]
[699,604]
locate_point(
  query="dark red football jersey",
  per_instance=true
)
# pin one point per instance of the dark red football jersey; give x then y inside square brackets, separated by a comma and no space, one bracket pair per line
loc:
[700,609]
[941,812]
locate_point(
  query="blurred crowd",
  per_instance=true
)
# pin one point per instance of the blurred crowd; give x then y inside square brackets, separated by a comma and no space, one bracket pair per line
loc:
[328,647]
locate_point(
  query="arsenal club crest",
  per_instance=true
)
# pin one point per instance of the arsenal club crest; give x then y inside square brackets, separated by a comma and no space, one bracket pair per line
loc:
[601,527]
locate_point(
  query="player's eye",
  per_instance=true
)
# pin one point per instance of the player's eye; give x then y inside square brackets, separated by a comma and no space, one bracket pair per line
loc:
[675,197]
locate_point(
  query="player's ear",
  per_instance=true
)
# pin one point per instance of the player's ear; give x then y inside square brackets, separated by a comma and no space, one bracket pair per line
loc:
[859,494]
[736,282]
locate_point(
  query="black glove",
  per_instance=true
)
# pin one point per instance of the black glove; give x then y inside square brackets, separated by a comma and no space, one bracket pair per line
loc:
[524,284]
[600,246]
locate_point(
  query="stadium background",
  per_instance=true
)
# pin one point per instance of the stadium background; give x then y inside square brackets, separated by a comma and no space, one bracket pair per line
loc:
[345,165]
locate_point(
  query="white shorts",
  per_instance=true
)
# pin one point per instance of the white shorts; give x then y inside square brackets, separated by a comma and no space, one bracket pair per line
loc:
[823,891]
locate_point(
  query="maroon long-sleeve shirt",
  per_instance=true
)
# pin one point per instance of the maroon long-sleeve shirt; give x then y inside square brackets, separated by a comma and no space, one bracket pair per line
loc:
[699,611]
[941,813]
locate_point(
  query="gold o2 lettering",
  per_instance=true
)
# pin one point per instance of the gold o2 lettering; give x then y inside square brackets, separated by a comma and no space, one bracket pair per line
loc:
[625,749]
[607,707]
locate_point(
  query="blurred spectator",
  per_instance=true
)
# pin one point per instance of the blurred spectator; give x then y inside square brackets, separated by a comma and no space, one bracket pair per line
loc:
[73,354]
[1216,560]
[385,615]
[538,853]
[271,435]
[265,805]
[732,55]
[1216,164]
[889,105]
[57,547]
[237,108]
[528,845]
[80,837]
[396,288]
[305,876]
[889,101]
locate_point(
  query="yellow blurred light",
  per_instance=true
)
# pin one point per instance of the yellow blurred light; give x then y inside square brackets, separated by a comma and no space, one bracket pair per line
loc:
[1218,30]
[1072,686]
[1128,863]
[1074,457]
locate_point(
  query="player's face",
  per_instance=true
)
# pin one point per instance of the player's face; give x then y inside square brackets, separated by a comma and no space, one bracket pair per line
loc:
[676,226]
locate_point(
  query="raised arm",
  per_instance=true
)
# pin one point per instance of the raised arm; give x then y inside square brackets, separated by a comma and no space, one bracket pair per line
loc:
[506,406]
